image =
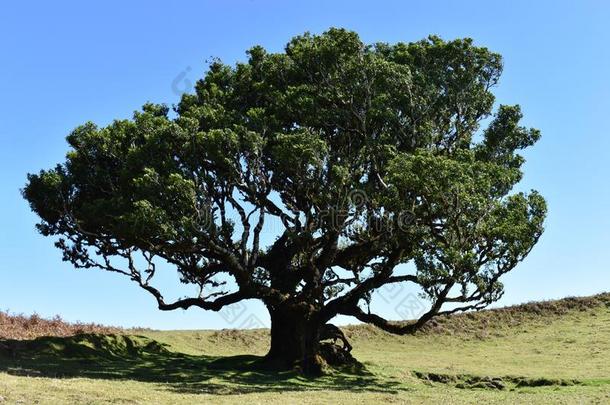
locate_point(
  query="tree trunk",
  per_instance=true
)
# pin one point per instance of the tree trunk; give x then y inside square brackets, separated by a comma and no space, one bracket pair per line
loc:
[294,341]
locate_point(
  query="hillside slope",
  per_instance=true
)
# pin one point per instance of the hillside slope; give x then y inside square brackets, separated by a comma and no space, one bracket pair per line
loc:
[555,351]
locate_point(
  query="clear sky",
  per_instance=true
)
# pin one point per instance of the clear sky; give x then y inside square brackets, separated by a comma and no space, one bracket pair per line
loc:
[64,63]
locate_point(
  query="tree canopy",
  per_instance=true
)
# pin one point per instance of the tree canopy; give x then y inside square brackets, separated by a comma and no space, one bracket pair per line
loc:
[368,156]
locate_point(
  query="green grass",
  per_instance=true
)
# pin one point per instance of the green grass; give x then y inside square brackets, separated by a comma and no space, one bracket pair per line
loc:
[539,353]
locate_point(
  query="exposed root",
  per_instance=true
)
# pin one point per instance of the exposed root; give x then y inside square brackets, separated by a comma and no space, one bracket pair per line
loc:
[338,357]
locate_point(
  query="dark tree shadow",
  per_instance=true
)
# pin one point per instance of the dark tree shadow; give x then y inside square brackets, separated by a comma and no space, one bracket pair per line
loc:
[115,357]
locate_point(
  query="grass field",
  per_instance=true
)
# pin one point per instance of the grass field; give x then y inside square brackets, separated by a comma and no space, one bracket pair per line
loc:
[536,353]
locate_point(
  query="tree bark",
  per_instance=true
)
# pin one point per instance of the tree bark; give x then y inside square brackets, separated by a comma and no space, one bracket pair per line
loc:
[294,340]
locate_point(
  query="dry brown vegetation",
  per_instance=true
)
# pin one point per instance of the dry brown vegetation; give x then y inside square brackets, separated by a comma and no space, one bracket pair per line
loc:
[478,324]
[543,352]
[516,315]
[496,321]
[23,327]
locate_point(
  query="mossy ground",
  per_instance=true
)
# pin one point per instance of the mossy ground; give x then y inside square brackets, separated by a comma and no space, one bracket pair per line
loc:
[537,353]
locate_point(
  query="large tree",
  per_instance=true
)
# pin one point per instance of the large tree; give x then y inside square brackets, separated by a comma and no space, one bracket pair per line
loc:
[308,179]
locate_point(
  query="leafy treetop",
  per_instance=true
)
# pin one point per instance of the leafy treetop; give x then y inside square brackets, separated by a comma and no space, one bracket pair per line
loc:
[368,156]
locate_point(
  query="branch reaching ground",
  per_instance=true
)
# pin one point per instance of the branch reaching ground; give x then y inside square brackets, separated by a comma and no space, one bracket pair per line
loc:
[308,179]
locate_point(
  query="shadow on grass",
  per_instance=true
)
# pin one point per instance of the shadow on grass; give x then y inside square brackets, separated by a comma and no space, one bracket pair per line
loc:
[117,357]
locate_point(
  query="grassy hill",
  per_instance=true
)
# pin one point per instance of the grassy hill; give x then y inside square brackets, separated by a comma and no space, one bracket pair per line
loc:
[554,351]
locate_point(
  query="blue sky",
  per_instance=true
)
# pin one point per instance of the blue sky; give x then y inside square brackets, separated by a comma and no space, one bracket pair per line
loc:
[64,63]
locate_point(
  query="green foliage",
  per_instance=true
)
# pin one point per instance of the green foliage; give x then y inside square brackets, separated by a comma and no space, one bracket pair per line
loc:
[337,139]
